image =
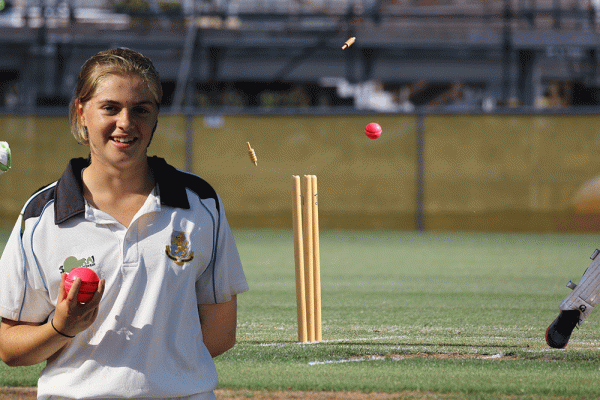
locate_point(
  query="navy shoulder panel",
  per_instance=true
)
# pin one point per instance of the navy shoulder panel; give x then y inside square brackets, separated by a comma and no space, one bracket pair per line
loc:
[39,200]
[173,183]
[198,185]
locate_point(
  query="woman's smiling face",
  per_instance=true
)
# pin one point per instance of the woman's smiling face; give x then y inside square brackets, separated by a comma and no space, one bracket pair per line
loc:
[120,118]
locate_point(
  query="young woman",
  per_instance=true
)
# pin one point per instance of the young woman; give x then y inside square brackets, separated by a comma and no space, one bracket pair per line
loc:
[157,237]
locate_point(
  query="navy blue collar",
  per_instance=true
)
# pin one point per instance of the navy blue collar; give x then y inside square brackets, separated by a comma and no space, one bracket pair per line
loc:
[68,196]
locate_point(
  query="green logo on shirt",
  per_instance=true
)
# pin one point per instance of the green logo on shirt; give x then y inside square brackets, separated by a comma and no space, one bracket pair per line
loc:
[72,262]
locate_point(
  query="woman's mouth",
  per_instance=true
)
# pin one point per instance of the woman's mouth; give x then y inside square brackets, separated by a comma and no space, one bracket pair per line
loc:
[124,140]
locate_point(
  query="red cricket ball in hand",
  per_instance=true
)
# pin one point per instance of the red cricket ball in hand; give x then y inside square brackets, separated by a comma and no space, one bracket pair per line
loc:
[89,283]
[373,130]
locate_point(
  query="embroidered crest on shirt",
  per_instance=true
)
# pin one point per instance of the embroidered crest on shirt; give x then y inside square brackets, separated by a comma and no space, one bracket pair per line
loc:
[179,250]
[73,262]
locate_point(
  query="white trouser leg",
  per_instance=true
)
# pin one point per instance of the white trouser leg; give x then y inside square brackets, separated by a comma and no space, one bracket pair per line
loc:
[586,295]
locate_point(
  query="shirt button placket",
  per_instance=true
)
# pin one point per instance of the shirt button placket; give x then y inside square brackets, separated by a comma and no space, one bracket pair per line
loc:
[130,245]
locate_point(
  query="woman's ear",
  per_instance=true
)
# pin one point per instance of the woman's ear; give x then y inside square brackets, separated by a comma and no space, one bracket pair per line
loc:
[80,116]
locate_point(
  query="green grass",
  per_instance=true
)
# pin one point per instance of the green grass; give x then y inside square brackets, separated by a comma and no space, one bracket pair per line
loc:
[453,313]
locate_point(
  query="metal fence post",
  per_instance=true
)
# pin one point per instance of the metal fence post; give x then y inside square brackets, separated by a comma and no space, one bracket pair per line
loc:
[189,141]
[420,173]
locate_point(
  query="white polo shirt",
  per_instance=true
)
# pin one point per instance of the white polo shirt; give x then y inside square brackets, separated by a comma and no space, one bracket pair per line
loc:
[177,253]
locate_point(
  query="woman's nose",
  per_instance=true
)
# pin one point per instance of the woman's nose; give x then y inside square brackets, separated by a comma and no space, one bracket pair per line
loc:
[124,121]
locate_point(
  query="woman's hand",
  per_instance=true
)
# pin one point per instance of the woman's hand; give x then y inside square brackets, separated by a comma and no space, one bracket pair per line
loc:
[26,343]
[72,317]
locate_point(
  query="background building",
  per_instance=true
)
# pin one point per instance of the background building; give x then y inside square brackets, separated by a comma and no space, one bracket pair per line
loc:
[459,54]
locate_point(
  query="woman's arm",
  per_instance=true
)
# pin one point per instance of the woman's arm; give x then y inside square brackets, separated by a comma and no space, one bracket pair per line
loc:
[218,323]
[23,343]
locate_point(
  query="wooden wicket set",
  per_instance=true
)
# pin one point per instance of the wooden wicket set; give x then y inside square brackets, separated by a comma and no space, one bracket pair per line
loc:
[306,253]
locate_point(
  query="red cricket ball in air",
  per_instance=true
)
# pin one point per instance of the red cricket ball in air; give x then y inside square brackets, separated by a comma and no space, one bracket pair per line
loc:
[373,130]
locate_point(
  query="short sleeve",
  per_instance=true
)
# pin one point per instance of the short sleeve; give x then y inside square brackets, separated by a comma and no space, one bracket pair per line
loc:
[20,299]
[225,277]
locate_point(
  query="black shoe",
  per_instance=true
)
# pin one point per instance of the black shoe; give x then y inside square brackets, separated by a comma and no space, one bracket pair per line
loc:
[559,331]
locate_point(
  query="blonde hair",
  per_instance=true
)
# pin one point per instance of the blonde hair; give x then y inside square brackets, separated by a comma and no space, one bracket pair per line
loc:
[97,67]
